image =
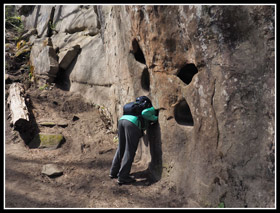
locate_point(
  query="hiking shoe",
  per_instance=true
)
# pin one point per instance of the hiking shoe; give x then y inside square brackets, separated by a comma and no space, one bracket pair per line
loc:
[126,180]
[113,176]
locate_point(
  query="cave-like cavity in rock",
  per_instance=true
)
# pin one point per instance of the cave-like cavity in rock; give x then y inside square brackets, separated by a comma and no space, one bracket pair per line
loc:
[187,72]
[182,113]
[145,80]
[137,52]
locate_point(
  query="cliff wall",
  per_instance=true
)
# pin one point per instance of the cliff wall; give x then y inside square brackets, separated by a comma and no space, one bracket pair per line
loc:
[210,70]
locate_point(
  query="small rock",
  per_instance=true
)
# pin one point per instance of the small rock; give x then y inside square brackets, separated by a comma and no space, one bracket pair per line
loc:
[62,123]
[52,170]
[47,123]
[10,79]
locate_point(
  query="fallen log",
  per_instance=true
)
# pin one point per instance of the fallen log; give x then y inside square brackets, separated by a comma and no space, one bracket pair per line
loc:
[18,108]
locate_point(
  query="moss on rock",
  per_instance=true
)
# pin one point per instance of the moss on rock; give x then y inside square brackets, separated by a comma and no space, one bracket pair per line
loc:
[45,140]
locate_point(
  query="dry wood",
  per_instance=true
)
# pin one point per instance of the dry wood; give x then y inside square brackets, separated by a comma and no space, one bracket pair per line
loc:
[18,108]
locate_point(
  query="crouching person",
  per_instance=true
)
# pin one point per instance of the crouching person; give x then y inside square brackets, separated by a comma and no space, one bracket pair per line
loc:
[136,118]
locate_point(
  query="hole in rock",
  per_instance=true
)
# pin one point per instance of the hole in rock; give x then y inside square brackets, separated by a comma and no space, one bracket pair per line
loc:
[187,72]
[137,52]
[145,80]
[182,114]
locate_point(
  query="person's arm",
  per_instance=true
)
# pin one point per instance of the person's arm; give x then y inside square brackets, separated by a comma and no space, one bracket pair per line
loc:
[150,114]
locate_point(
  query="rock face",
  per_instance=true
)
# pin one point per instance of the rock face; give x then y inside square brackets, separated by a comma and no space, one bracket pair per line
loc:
[209,69]
[44,60]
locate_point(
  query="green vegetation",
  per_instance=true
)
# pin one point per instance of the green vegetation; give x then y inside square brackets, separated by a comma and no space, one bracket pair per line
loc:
[46,86]
[45,140]
[52,26]
[13,20]
[221,205]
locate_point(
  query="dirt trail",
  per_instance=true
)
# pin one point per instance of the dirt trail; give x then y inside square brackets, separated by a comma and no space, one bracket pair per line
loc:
[85,157]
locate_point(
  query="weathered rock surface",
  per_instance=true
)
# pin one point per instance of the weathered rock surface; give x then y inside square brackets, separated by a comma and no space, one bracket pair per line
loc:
[209,69]
[50,123]
[45,61]
[75,18]
[28,34]
[67,56]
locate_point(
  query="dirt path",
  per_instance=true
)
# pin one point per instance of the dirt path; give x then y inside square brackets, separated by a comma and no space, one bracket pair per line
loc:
[85,158]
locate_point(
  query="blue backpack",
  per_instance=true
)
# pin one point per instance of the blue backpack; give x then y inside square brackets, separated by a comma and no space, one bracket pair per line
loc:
[136,108]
